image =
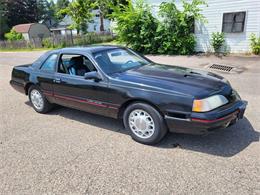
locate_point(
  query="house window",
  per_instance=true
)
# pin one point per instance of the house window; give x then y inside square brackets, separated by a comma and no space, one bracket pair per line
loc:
[233,22]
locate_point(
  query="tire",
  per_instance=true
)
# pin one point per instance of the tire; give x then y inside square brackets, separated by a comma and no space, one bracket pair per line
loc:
[38,100]
[145,123]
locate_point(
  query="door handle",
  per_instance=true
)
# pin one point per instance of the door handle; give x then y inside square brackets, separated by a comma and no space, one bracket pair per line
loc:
[57,80]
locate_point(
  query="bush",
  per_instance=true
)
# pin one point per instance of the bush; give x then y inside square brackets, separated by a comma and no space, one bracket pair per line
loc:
[47,43]
[92,38]
[13,36]
[137,27]
[217,41]
[255,44]
[175,32]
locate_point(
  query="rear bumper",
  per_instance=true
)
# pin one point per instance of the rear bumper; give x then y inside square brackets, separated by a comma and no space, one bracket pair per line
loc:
[17,86]
[200,123]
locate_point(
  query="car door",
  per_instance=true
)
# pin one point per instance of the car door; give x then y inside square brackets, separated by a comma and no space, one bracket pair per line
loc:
[45,76]
[80,93]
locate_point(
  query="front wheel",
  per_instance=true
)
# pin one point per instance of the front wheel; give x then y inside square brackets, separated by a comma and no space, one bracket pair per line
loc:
[145,123]
[38,100]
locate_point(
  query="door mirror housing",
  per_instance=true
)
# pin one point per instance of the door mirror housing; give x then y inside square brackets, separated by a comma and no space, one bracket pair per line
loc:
[93,75]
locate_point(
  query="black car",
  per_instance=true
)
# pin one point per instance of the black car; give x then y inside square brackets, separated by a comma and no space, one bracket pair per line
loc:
[117,82]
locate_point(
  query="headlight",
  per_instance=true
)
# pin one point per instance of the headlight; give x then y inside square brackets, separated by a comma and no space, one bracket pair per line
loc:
[209,103]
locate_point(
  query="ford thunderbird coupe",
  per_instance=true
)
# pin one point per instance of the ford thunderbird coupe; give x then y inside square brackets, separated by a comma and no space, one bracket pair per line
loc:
[150,98]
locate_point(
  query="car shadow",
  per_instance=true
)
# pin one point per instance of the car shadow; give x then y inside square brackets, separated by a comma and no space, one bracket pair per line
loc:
[224,142]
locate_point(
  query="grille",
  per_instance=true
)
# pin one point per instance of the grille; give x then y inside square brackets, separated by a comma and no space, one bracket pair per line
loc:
[220,67]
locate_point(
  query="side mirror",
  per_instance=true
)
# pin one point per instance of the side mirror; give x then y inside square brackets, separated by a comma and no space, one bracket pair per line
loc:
[93,75]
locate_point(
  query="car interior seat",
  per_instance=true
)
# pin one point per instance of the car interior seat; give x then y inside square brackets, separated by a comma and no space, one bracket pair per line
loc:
[76,66]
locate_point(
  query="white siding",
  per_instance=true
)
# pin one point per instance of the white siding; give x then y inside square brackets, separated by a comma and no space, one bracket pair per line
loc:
[236,42]
[26,36]
[94,26]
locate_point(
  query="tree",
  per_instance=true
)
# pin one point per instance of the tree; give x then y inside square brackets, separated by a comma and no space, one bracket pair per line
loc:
[61,4]
[175,32]
[105,8]
[3,20]
[25,11]
[136,26]
[80,12]
[44,9]
[13,12]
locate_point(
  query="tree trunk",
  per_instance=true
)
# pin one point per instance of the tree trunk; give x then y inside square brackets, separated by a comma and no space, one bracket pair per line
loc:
[101,16]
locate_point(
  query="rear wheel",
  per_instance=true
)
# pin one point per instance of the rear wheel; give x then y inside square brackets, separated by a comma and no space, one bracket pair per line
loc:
[38,100]
[145,123]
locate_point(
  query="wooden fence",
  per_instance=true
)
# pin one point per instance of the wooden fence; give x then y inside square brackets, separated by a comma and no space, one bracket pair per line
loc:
[57,41]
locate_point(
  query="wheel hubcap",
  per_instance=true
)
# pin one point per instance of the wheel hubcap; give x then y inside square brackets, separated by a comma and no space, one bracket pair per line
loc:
[141,123]
[36,99]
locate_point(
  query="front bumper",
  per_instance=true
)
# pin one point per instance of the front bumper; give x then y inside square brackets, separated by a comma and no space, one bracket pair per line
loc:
[201,123]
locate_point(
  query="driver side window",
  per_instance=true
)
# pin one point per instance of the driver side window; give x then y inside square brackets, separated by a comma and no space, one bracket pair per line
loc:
[74,64]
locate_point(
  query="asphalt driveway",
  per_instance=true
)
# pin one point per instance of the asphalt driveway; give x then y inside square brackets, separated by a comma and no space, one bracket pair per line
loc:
[69,151]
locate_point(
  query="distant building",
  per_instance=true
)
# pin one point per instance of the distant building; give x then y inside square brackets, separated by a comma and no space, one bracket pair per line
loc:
[94,26]
[63,27]
[236,19]
[32,30]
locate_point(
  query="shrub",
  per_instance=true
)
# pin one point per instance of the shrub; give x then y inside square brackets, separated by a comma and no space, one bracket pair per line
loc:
[13,36]
[175,32]
[92,38]
[137,27]
[255,44]
[217,41]
[47,43]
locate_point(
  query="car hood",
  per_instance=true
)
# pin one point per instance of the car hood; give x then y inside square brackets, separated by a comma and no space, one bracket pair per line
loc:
[176,79]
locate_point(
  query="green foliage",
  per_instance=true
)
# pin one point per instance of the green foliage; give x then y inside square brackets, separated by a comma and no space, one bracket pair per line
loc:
[3,20]
[13,12]
[92,38]
[172,34]
[255,44]
[47,43]
[136,26]
[13,36]
[87,39]
[175,32]
[60,5]
[217,41]
[80,12]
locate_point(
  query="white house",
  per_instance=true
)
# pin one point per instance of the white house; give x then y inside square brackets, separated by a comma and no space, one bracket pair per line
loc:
[94,26]
[62,28]
[236,18]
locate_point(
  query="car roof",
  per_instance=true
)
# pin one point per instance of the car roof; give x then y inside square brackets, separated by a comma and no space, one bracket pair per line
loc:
[88,49]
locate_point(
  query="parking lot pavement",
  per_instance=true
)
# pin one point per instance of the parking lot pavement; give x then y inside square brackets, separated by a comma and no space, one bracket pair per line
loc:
[69,151]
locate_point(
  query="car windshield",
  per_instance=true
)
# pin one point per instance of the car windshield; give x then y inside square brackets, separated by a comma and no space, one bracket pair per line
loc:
[118,60]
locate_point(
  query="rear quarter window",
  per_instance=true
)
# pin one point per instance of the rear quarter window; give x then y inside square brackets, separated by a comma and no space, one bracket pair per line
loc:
[49,64]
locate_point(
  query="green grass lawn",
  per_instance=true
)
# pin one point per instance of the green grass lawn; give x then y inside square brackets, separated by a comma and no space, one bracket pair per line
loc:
[23,49]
